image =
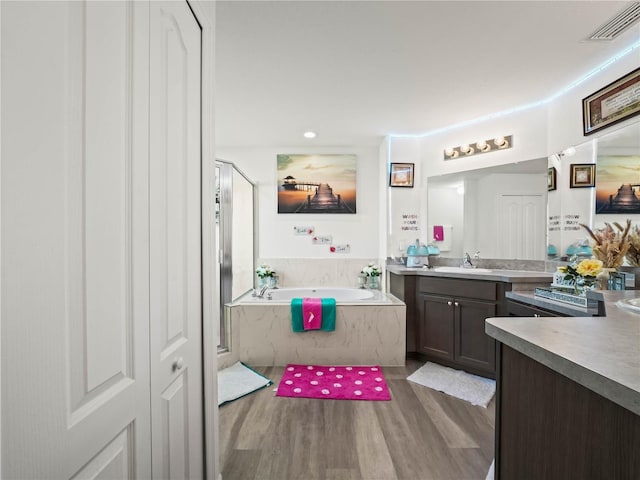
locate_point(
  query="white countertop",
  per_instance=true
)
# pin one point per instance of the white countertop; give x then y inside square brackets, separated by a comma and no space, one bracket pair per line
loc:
[600,353]
[496,275]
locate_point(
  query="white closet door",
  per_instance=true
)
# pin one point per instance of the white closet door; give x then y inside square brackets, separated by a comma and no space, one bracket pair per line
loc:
[521,227]
[176,296]
[75,308]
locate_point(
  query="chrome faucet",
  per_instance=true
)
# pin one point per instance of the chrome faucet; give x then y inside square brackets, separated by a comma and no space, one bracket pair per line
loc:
[466,261]
[262,290]
[260,294]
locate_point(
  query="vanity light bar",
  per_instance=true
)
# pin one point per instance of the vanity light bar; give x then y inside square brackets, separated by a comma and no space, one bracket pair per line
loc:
[481,146]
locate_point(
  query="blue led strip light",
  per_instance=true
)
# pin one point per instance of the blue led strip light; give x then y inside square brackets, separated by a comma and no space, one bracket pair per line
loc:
[520,108]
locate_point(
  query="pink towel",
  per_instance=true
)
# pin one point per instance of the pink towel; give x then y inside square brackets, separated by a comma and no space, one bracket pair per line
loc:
[438,233]
[312,313]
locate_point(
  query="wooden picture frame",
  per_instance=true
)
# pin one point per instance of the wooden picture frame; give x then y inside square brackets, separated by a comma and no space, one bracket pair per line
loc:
[583,175]
[401,175]
[551,179]
[614,103]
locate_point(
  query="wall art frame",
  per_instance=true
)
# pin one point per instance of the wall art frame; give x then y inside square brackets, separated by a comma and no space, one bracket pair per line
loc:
[583,175]
[618,101]
[551,179]
[401,175]
[316,183]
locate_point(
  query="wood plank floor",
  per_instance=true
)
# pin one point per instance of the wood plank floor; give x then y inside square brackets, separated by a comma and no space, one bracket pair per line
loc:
[421,434]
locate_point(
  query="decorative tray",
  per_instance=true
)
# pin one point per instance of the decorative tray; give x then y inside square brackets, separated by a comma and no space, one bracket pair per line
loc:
[558,296]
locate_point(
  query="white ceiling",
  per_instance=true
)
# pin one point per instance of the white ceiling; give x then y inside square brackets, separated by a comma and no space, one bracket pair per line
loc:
[355,71]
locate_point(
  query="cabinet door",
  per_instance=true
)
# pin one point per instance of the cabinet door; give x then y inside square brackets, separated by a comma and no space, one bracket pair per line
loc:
[473,347]
[435,315]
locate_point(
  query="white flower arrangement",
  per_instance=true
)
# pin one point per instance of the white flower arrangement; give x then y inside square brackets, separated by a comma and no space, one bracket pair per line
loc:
[371,270]
[264,271]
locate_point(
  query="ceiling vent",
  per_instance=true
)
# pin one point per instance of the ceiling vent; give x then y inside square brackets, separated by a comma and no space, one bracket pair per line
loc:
[618,24]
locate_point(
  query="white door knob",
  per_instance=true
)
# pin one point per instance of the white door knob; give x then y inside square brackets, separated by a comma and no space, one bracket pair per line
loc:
[178,363]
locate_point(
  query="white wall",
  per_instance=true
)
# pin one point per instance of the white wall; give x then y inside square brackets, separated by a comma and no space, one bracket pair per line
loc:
[564,130]
[404,203]
[275,231]
[537,132]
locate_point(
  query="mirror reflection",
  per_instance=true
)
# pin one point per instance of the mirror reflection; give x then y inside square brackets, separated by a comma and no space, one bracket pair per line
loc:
[617,159]
[496,212]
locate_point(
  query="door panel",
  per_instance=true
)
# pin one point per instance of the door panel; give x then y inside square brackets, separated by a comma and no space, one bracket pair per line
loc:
[474,347]
[175,236]
[436,325]
[75,313]
[112,461]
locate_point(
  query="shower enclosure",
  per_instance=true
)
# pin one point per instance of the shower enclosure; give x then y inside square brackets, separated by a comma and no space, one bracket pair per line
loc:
[235,234]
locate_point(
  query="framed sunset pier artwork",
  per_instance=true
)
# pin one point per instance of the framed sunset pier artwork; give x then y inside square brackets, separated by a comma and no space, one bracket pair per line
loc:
[310,183]
[618,184]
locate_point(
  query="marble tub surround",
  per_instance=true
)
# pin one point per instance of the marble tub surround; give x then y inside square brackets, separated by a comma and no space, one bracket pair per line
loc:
[261,335]
[320,272]
[600,353]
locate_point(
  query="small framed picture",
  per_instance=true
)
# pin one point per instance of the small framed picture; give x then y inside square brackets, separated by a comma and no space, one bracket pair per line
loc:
[583,175]
[551,178]
[401,175]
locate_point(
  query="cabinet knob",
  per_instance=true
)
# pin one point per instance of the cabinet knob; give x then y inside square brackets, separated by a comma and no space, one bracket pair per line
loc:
[456,304]
[449,303]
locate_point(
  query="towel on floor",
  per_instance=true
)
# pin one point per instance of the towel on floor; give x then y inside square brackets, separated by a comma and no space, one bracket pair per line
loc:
[312,313]
[328,315]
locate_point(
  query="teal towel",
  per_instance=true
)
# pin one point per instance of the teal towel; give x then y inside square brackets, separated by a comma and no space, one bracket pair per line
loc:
[296,315]
[328,315]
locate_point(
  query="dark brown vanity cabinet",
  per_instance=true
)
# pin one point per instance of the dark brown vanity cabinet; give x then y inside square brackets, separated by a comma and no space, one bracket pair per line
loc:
[518,309]
[450,322]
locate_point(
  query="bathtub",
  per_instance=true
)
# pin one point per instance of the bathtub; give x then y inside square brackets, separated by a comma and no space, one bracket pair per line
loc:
[370,330]
[343,295]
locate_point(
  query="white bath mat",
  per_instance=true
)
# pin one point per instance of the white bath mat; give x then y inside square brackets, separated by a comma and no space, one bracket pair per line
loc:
[237,381]
[472,388]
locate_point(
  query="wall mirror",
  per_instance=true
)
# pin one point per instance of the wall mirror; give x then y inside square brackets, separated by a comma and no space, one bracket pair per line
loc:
[498,211]
[568,207]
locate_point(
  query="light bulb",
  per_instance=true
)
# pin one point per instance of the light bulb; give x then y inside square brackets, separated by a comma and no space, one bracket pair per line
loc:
[499,141]
[309,134]
[466,149]
[482,146]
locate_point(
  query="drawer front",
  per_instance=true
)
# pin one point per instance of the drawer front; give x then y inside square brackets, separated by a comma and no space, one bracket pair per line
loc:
[480,289]
[517,309]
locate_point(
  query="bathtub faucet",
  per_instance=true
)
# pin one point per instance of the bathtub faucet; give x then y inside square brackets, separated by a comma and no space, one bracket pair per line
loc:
[262,290]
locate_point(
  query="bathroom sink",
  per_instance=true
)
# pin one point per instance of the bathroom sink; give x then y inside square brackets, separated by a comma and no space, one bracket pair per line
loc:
[631,304]
[461,270]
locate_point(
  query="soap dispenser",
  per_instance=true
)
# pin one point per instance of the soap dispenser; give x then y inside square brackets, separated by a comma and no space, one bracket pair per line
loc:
[413,259]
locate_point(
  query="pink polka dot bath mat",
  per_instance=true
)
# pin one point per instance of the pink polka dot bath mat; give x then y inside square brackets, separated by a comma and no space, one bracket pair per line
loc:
[338,383]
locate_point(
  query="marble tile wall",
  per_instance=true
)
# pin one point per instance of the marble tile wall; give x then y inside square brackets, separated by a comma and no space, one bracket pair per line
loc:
[261,335]
[318,272]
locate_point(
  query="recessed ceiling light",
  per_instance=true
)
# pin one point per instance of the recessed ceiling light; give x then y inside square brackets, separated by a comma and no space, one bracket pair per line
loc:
[309,134]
